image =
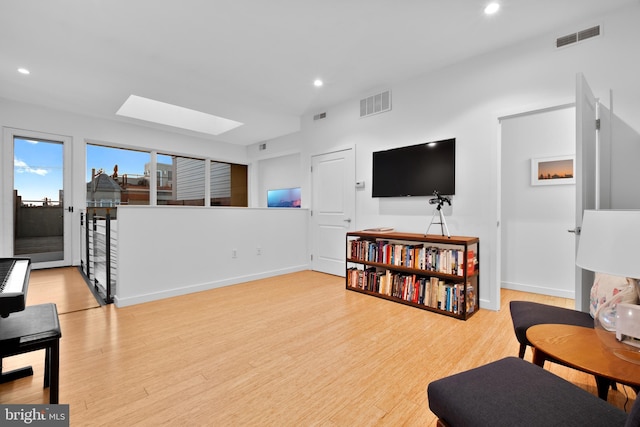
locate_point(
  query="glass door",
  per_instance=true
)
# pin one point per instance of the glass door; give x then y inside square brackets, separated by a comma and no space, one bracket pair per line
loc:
[40,220]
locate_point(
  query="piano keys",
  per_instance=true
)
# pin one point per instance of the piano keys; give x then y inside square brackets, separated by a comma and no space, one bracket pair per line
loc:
[14,281]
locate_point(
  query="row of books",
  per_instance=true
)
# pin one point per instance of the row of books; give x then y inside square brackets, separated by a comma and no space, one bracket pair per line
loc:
[429,291]
[418,256]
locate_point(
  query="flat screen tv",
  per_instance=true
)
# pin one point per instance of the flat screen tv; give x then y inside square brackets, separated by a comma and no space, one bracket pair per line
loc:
[416,170]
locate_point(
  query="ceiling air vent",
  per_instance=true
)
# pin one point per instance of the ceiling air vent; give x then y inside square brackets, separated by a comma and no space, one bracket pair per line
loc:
[375,104]
[320,116]
[578,36]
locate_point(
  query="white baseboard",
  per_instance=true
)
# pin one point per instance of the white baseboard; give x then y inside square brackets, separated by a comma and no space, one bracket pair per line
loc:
[535,289]
[188,289]
[486,305]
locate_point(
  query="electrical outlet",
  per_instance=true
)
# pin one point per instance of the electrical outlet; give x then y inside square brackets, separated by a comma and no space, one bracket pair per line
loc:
[234,253]
[258,250]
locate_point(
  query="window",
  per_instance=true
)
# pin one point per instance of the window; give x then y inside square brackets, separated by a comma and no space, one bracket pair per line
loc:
[180,180]
[229,184]
[116,176]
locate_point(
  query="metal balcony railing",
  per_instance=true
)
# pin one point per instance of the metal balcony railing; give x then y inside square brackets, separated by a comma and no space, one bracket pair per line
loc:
[99,255]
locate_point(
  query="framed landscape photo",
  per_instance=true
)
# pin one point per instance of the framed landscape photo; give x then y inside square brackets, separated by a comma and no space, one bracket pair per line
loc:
[553,170]
[284,198]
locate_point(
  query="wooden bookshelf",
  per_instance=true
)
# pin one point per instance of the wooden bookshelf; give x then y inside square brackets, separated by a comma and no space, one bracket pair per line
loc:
[430,272]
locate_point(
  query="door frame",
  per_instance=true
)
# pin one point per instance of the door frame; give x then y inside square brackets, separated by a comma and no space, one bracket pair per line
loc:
[587,185]
[584,278]
[6,192]
[501,192]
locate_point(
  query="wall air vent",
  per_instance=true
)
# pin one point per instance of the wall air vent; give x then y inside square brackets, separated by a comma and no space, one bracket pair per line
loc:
[566,40]
[578,36]
[375,104]
[588,33]
[320,116]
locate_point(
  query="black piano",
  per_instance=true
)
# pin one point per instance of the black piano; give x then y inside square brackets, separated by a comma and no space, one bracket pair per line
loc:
[14,281]
[24,329]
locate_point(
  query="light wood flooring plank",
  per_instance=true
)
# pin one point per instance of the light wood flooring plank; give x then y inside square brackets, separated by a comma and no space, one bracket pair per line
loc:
[294,350]
[64,286]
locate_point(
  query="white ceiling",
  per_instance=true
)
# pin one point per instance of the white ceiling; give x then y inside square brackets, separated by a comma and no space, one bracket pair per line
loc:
[253,61]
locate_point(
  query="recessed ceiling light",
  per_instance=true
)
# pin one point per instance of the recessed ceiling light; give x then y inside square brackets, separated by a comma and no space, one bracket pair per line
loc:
[150,110]
[491,8]
[317,83]
[23,71]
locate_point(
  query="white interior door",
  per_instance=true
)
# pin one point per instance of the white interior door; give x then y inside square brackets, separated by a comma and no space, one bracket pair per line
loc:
[586,175]
[333,209]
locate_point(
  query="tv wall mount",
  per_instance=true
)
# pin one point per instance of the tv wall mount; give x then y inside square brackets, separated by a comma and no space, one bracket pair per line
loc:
[439,200]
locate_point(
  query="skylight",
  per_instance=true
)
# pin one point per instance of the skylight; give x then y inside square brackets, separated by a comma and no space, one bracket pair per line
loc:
[154,111]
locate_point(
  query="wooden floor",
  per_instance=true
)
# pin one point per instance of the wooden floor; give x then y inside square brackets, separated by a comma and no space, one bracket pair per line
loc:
[64,286]
[295,350]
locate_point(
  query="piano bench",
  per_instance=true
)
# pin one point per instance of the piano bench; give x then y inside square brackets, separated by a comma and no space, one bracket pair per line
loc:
[37,327]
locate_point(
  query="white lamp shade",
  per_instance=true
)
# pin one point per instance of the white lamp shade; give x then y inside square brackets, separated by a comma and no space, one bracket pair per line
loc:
[610,242]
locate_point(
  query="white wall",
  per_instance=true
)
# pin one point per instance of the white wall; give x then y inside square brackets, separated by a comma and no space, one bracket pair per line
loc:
[165,251]
[537,251]
[288,145]
[464,101]
[461,101]
[81,128]
[625,168]
[278,172]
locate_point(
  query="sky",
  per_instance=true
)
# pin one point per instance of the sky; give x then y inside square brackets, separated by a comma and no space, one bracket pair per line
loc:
[129,162]
[38,166]
[37,170]
[560,168]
